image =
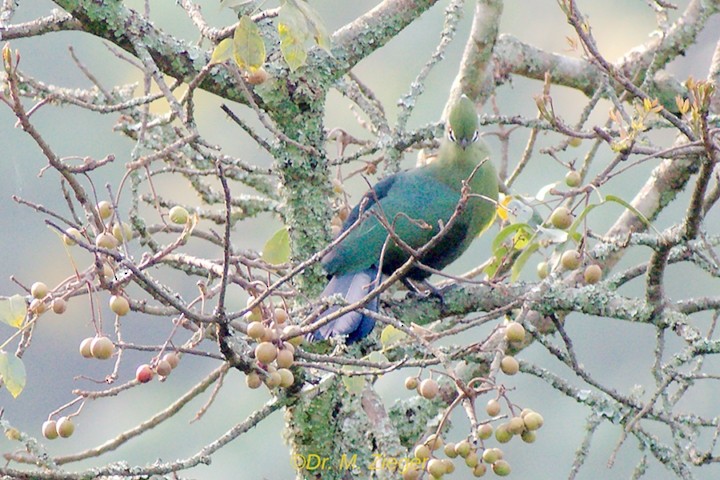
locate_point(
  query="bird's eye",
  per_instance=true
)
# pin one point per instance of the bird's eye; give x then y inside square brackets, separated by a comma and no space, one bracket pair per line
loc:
[451,134]
[476,134]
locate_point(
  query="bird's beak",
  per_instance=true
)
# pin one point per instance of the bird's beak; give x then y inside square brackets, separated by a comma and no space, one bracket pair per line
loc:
[464,143]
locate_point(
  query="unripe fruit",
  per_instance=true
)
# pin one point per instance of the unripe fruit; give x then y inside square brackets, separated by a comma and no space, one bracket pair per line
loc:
[449,465]
[463,448]
[49,429]
[592,274]
[429,388]
[561,218]
[574,141]
[106,240]
[71,236]
[422,451]
[107,271]
[122,232]
[503,433]
[281,316]
[85,347]
[570,259]
[411,471]
[102,348]
[119,305]
[286,377]
[492,455]
[472,459]
[509,365]
[528,436]
[273,380]
[533,421]
[163,368]
[39,290]
[479,470]
[254,315]
[434,442]
[253,380]
[172,358]
[178,215]
[436,467]
[105,209]
[514,332]
[543,270]
[270,335]
[255,330]
[64,427]
[285,358]
[516,425]
[501,468]
[144,373]
[450,451]
[38,306]
[58,305]
[485,431]
[572,178]
[493,407]
[411,383]
[256,76]
[265,352]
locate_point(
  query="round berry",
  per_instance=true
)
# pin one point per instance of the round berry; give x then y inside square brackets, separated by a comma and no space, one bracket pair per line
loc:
[286,377]
[292,334]
[436,467]
[503,433]
[570,259]
[49,429]
[434,442]
[38,306]
[543,270]
[172,358]
[122,232]
[449,465]
[265,352]
[492,455]
[463,448]
[285,358]
[501,468]
[178,215]
[429,388]
[509,365]
[253,380]
[450,451]
[592,274]
[104,209]
[85,347]
[472,459]
[119,305]
[163,368]
[479,470]
[561,218]
[533,421]
[281,316]
[58,305]
[256,76]
[514,332]
[493,407]
[39,290]
[102,348]
[422,451]
[516,425]
[411,383]
[256,330]
[106,240]
[574,141]
[528,437]
[71,236]
[273,379]
[144,373]
[485,431]
[64,427]
[572,178]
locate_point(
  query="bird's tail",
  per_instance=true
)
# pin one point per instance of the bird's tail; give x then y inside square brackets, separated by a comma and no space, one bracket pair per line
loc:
[353,287]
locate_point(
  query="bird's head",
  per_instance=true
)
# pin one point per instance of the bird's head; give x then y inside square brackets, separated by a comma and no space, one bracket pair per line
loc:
[462,126]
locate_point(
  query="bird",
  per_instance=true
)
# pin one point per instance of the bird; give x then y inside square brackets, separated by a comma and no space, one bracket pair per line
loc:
[416,203]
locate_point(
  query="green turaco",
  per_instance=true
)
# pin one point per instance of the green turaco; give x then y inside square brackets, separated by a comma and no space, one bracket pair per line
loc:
[426,195]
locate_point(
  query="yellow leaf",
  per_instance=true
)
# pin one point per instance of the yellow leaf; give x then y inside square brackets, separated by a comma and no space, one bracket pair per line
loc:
[13,310]
[223,51]
[249,46]
[12,372]
[391,335]
[277,249]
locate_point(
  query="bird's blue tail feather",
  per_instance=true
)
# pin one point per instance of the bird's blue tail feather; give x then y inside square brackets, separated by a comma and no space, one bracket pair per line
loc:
[353,287]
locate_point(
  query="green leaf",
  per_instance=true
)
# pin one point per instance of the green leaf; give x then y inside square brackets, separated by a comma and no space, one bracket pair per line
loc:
[12,372]
[277,249]
[13,310]
[512,229]
[249,45]
[294,36]
[391,335]
[223,51]
[376,356]
[613,198]
[354,384]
